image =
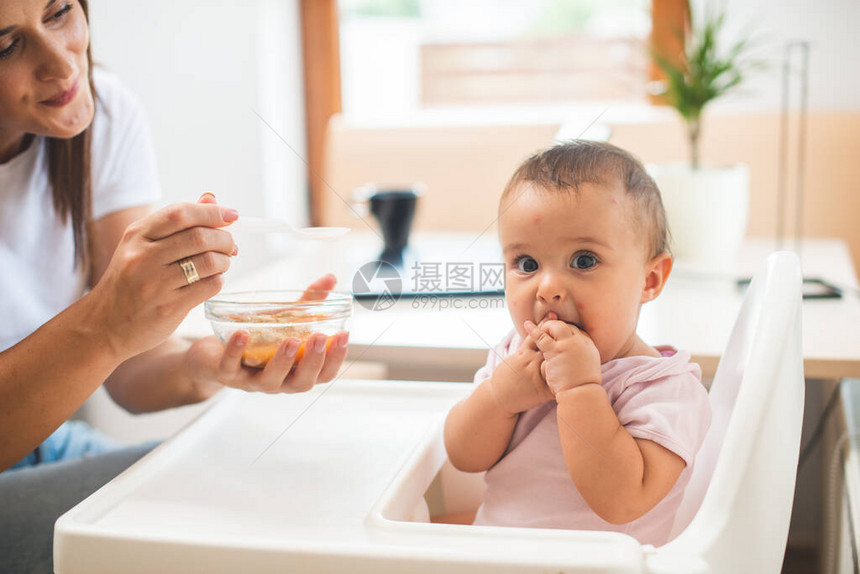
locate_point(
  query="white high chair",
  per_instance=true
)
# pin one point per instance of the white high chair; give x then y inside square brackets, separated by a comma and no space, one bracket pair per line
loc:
[735,514]
[343,482]
[736,510]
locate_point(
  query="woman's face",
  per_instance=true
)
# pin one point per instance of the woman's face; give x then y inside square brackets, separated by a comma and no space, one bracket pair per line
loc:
[44,87]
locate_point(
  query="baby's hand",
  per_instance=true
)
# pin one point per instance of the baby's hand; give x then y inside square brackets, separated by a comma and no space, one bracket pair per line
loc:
[517,383]
[570,357]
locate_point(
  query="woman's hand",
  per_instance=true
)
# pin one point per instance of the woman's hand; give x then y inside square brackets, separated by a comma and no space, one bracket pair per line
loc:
[143,294]
[210,364]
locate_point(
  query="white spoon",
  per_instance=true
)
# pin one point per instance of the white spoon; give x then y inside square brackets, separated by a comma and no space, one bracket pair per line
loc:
[272,225]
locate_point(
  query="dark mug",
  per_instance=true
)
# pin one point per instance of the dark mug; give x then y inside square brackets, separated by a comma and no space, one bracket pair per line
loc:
[394,210]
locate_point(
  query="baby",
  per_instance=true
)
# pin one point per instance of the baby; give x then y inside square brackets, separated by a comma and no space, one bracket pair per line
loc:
[578,422]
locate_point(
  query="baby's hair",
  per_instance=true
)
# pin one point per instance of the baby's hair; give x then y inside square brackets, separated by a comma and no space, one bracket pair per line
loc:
[568,165]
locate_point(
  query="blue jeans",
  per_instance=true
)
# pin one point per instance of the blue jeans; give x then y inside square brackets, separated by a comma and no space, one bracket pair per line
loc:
[74,439]
[73,463]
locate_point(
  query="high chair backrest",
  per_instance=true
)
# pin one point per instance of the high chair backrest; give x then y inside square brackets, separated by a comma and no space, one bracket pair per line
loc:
[737,506]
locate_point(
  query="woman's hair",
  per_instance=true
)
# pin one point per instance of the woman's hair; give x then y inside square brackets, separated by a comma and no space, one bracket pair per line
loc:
[69,172]
[568,165]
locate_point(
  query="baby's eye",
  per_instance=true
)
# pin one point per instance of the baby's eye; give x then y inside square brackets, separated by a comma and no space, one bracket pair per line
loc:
[583,261]
[526,264]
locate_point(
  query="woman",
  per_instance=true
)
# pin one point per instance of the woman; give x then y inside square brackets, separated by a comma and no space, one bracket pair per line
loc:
[77,180]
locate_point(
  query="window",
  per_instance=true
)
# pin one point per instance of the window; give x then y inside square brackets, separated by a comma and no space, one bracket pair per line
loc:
[403,56]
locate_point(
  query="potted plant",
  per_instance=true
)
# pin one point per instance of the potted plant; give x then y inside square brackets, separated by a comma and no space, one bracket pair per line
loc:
[706,206]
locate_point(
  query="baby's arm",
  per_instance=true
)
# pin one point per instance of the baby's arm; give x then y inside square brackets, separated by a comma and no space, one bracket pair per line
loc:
[479,428]
[620,477]
[477,431]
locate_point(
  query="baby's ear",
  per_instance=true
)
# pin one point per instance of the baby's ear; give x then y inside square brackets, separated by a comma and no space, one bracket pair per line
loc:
[656,273]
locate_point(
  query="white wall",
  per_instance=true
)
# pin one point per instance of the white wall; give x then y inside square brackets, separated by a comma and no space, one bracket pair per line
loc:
[200,69]
[828,26]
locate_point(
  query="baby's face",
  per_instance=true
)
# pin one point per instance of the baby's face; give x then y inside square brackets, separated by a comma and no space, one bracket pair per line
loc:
[578,255]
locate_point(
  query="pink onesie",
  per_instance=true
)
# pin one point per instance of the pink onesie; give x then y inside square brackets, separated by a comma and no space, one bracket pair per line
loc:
[659,399]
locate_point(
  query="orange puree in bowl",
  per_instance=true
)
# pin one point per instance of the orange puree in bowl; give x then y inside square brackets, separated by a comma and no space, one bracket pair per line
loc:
[259,355]
[264,342]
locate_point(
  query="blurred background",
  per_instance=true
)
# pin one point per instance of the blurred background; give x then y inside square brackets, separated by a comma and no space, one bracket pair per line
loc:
[284,106]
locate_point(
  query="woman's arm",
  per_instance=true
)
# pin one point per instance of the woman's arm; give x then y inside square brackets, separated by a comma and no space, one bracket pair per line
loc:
[48,375]
[137,304]
[620,477]
[166,387]
[178,372]
[162,367]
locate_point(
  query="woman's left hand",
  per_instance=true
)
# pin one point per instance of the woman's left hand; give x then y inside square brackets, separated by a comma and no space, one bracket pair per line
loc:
[210,364]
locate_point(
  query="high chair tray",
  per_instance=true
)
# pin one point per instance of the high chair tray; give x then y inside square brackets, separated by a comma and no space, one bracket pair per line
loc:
[317,482]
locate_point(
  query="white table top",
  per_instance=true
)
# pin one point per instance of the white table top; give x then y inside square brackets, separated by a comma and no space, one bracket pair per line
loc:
[695,312]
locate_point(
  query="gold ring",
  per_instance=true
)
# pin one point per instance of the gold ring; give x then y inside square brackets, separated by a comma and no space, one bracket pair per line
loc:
[189,269]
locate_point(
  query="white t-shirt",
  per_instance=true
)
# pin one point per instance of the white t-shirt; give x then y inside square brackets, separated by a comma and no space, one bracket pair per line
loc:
[38,277]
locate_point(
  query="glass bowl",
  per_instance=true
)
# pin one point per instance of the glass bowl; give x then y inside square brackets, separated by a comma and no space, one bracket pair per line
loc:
[270,317]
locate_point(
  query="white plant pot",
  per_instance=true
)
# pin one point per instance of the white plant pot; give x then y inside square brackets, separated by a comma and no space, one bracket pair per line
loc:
[706,208]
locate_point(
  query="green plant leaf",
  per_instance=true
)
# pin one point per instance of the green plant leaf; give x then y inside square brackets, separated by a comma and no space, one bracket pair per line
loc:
[704,71]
